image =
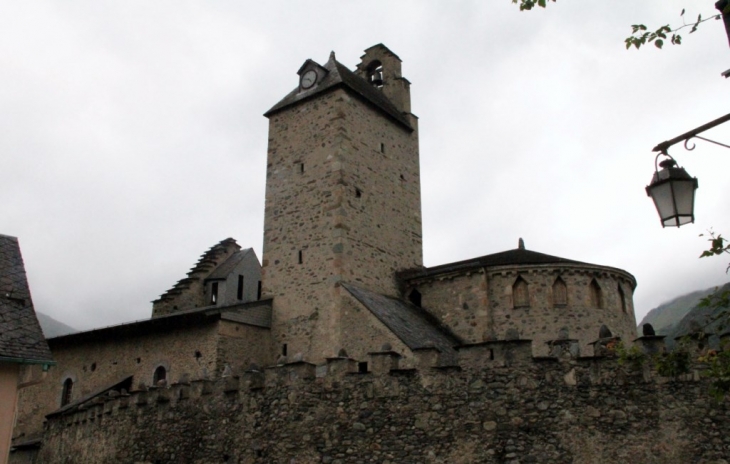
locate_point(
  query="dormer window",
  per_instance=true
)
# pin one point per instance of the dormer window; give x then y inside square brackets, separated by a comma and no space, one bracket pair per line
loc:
[214,293]
[375,74]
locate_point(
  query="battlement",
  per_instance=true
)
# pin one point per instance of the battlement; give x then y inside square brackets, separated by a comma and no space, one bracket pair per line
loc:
[497,402]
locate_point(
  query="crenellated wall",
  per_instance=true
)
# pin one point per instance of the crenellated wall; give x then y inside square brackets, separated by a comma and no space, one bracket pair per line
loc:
[500,405]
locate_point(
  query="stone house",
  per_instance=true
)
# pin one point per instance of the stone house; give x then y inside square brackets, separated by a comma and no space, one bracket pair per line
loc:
[342,272]
[22,344]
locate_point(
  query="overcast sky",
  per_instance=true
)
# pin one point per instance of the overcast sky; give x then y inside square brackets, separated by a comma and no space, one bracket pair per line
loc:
[132,136]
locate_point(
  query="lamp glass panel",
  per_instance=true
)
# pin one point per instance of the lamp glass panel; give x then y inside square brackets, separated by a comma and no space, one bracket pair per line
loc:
[684,196]
[662,196]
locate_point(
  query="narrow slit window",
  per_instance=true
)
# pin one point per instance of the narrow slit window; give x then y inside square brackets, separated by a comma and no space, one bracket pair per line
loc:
[258,291]
[68,386]
[283,349]
[358,193]
[300,257]
[214,293]
[382,147]
[301,168]
[622,298]
[560,293]
[239,294]
[596,297]
[520,294]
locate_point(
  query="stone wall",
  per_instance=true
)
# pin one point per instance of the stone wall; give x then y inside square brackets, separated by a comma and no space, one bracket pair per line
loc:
[479,305]
[95,364]
[500,406]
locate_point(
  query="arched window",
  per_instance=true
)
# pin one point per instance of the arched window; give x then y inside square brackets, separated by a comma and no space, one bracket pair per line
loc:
[375,74]
[68,386]
[415,297]
[160,374]
[520,293]
[622,298]
[596,296]
[560,292]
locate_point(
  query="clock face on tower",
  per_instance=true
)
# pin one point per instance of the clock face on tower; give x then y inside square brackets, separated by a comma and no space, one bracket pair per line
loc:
[308,79]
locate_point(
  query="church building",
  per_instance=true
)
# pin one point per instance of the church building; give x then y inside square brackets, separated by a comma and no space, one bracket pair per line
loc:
[342,271]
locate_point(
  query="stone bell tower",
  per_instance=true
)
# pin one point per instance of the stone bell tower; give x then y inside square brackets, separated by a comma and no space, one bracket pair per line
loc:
[343,197]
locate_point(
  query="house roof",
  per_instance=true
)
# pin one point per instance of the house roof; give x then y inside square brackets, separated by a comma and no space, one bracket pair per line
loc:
[516,257]
[21,337]
[255,313]
[338,76]
[208,261]
[414,326]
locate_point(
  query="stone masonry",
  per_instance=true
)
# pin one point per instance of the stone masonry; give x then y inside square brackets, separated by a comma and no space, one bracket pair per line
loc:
[500,405]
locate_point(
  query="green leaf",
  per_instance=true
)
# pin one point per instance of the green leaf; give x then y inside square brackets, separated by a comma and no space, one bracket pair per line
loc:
[680,14]
[659,43]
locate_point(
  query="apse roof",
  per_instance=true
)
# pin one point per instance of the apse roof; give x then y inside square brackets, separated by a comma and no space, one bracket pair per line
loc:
[515,257]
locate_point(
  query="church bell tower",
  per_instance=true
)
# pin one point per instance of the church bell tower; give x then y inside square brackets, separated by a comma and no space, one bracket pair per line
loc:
[343,197]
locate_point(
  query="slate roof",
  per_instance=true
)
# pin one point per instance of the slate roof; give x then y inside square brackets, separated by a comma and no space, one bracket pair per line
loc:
[21,337]
[414,326]
[222,271]
[518,256]
[256,313]
[339,76]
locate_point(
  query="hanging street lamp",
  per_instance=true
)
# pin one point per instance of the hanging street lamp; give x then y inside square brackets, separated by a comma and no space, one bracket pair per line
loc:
[673,192]
[671,188]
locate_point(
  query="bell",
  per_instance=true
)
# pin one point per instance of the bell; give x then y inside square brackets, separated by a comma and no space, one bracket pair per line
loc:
[376,78]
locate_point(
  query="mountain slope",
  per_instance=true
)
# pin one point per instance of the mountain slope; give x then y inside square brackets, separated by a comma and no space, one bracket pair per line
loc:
[51,327]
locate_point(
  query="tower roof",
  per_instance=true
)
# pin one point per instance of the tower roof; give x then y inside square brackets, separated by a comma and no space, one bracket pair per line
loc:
[338,76]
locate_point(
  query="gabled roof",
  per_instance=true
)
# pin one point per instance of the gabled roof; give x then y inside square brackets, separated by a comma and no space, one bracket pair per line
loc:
[207,262]
[222,271]
[21,337]
[338,76]
[414,326]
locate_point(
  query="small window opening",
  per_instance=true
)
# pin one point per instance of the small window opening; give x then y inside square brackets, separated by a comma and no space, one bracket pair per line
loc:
[160,374]
[402,177]
[301,168]
[198,354]
[560,292]
[358,193]
[283,349]
[68,386]
[93,367]
[382,147]
[415,297]
[622,298]
[464,305]
[491,355]
[520,294]
[258,292]
[362,367]
[596,297]
[139,360]
[300,257]
[214,293]
[239,293]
